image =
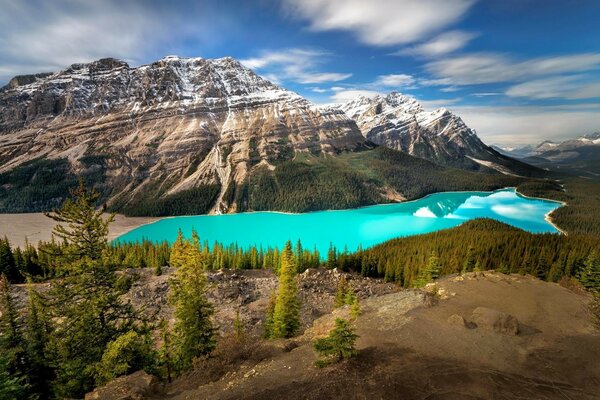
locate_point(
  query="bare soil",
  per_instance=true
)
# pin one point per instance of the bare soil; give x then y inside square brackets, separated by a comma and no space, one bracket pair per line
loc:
[35,227]
[415,345]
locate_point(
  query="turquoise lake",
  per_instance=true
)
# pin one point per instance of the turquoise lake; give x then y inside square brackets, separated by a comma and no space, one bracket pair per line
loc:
[365,226]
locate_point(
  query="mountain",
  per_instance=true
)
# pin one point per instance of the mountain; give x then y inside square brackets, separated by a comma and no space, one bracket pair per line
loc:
[580,156]
[164,128]
[400,122]
[193,135]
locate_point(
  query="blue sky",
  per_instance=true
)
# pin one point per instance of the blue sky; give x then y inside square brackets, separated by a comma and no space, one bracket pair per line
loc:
[518,71]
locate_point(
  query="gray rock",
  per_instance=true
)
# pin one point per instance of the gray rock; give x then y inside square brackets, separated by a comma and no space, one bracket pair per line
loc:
[497,321]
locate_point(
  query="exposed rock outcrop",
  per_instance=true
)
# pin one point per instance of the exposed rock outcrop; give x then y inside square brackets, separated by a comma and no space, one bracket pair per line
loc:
[164,128]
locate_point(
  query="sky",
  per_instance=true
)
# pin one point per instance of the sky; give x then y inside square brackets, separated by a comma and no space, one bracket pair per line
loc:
[517,71]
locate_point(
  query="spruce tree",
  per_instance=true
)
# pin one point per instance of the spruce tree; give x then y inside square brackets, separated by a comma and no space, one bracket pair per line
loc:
[85,302]
[469,263]
[286,315]
[13,358]
[193,332]
[37,333]
[338,345]
[8,265]
[340,293]
[589,275]
[269,314]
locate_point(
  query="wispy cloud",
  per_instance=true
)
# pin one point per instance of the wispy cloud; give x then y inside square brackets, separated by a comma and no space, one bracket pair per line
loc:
[481,68]
[395,80]
[445,43]
[530,124]
[298,65]
[568,87]
[380,22]
[40,36]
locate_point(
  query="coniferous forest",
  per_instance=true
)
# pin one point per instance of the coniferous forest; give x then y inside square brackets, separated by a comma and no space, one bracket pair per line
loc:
[80,334]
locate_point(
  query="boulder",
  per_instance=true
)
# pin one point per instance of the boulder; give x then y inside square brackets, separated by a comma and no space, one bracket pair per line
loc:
[499,322]
[137,386]
[457,320]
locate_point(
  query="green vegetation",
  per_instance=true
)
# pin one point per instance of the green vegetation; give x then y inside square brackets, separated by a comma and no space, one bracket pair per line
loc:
[284,317]
[354,179]
[339,345]
[41,185]
[193,333]
[189,202]
[344,294]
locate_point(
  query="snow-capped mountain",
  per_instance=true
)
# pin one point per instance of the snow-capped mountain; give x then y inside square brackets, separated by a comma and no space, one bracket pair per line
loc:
[163,128]
[557,151]
[400,122]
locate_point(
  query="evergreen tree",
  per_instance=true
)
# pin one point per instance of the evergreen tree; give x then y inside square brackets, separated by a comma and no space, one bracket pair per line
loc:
[338,345]
[341,291]
[286,314]
[85,302]
[8,266]
[331,257]
[193,332]
[589,275]
[239,329]
[469,263]
[37,334]
[268,329]
[13,361]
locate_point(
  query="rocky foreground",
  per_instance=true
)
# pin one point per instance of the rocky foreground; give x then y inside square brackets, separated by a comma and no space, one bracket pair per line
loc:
[476,336]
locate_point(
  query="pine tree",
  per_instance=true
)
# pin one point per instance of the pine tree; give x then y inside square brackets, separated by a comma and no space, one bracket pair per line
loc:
[589,275]
[85,302]
[338,345]
[340,293]
[193,332]
[8,266]
[331,257]
[37,333]
[13,365]
[469,263]
[239,329]
[268,329]
[286,315]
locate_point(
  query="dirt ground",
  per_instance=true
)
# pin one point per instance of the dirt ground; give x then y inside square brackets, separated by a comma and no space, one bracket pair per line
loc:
[36,226]
[418,346]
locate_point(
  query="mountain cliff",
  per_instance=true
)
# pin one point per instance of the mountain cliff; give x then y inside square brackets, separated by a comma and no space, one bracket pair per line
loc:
[164,128]
[193,135]
[401,123]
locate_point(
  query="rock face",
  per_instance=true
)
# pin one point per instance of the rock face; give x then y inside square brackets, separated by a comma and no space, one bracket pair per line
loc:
[495,320]
[400,122]
[137,386]
[164,128]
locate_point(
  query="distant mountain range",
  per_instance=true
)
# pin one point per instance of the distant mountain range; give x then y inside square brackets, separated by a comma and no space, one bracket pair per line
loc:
[401,123]
[580,156]
[197,130]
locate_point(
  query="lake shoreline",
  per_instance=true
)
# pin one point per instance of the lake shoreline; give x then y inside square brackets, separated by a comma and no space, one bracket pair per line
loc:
[35,227]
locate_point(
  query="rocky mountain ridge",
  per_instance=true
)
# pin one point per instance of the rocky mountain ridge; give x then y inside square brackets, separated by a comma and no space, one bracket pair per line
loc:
[163,128]
[400,122]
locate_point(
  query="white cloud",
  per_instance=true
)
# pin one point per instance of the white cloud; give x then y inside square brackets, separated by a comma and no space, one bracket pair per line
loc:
[424,212]
[394,80]
[318,90]
[520,125]
[38,36]
[480,68]
[346,95]
[438,103]
[295,64]
[568,87]
[380,22]
[442,44]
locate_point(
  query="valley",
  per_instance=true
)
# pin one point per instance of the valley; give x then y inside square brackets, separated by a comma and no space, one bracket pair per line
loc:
[262,243]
